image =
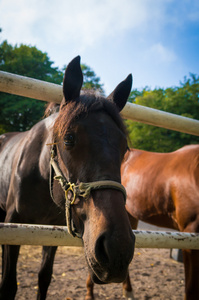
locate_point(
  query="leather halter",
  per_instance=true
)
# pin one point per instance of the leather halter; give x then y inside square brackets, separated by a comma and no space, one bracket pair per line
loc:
[80,190]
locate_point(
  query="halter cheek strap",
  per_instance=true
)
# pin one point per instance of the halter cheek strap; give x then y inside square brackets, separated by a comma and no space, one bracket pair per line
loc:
[83,190]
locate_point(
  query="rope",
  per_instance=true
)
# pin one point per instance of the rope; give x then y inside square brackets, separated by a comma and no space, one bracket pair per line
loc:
[85,188]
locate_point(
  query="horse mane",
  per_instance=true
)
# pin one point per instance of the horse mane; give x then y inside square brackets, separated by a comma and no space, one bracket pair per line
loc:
[75,110]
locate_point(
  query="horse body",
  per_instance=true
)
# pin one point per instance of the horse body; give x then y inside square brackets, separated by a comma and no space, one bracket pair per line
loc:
[163,188]
[86,136]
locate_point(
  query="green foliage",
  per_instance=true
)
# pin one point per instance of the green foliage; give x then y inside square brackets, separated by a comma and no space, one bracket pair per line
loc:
[28,61]
[91,81]
[183,100]
[20,113]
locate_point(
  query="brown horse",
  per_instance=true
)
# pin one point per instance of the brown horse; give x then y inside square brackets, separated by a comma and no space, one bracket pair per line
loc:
[163,190]
[70,162]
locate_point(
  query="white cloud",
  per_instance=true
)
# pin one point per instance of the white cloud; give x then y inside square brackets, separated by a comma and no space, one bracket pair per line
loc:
[159,53]
[80,22]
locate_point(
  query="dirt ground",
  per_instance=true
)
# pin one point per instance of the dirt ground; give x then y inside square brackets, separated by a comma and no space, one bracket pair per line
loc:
[153,273]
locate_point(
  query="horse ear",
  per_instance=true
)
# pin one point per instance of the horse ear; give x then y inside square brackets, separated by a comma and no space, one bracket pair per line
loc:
[121,93]
[73,80]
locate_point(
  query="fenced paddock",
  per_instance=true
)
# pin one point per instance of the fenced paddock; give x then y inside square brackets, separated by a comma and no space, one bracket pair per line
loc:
[28,234]
[149,266]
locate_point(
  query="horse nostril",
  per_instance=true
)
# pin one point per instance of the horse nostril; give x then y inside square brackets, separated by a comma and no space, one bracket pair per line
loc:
[101,249]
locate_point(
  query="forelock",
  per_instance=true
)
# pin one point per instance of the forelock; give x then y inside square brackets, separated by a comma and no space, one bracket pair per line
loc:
[87,102]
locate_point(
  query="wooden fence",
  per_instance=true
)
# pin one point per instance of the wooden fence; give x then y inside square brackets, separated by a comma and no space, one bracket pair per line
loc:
[37,89]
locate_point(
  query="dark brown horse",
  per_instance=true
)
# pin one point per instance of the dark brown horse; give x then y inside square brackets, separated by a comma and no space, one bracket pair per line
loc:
[163,190]
[70,161]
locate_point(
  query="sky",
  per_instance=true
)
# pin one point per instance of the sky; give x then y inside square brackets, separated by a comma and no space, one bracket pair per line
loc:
[155,40]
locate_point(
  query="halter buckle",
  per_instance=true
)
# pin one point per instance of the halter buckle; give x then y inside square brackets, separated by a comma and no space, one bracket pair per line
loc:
[71,187]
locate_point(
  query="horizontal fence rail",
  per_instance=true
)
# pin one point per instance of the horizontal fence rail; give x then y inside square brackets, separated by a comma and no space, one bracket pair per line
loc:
[45,91]
[43,235]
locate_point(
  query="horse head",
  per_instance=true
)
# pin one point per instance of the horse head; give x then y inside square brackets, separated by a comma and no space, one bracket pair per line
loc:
[89,143]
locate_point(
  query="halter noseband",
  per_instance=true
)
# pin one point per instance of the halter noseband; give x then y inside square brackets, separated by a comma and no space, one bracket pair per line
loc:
[82,189]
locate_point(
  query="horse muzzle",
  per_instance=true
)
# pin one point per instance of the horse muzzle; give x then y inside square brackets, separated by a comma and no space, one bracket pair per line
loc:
[111,257]
[111,261]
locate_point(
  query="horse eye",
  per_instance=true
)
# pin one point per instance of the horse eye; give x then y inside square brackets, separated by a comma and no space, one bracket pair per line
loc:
[69,139]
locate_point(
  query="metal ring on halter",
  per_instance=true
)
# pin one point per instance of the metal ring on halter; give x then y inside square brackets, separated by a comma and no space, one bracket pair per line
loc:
[71,187]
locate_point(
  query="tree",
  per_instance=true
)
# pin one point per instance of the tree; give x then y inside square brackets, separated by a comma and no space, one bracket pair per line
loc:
[20,113]
[183,100]
[28,61]
[91,81]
